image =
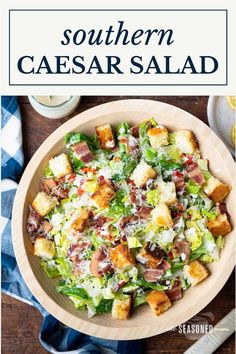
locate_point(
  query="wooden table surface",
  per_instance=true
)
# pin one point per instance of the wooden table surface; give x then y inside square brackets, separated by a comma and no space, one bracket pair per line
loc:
[21,322]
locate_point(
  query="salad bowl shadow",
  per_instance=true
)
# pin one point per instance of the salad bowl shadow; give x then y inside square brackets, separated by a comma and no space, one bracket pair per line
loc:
[143,323]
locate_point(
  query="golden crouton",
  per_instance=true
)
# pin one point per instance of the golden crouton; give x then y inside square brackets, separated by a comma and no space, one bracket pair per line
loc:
[216,190]
[167,193]
[195,272]
[161,215]
[44,203]
[121,308]
[44,248]
[142,173]
[185,141]
[151,256]
[158,136]
[81,222]
[158,301]
[121,257]
[105,136]
[60,165]
[220,226]
[103,195]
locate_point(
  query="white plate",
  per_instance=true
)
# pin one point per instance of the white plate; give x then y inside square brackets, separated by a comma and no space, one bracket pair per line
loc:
[221,119]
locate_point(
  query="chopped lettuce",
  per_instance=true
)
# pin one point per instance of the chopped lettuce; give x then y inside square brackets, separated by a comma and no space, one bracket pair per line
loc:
[194,236]
[153,197]
[76,163]
[123,129]
[50,268]
[64,267]
[117,206]
[139,300]
[192,187]
[148,153]
[104,306]
[194,212]
[75,138]
[133,242]
[73,290]
[48,172]
[209,214]
[220,242]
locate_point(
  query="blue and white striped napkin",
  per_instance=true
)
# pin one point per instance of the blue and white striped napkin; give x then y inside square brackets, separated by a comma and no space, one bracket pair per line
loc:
[54,336]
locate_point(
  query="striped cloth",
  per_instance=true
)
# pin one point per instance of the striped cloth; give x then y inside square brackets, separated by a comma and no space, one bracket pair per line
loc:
[54,336]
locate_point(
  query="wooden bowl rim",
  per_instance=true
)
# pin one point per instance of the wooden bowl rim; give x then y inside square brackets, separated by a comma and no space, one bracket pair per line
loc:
[118,333]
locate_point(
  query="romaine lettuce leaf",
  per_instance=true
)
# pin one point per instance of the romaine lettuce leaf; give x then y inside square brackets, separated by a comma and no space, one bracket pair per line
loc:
[153,197]
[50,268]
[139,300]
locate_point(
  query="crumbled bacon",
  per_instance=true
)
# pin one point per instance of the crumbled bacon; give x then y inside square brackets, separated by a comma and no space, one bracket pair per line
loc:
[223,209]
[34,221]
[182,247]
[135,131]
[194,172]
[116,286]
[44,228]
[165,265]
[152,275]
[83,152]
[60,191]
[127,219]
[99,263]
[47,185]
[99,221]
[144,212]
[178,179]
[175,293]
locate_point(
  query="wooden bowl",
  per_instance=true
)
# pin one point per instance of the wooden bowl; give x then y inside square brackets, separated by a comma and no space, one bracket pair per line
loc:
[143,323]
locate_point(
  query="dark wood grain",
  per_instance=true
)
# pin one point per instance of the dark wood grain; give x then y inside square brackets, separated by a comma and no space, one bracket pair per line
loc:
[21,322]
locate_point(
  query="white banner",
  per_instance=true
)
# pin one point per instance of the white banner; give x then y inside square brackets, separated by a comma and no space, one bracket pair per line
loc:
[124,50]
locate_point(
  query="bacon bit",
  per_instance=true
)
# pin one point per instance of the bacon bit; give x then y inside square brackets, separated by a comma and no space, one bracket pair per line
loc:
[176,292]
[182,247]
[47,185]
[170,254]
[101,179]
[80,191]
[123,140]
[62,180]
[88,169]
[178,211]
[152,275]
[131,182]
[60,192]
[71,178]
[83,152]
[99,221]
[223,209]
[135,131]
[178,174]
[44,228]
[117,286]
[195,173]
[144,212]
[34,220]
[189,159]
[97,257]
[127,219]
[165,265]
